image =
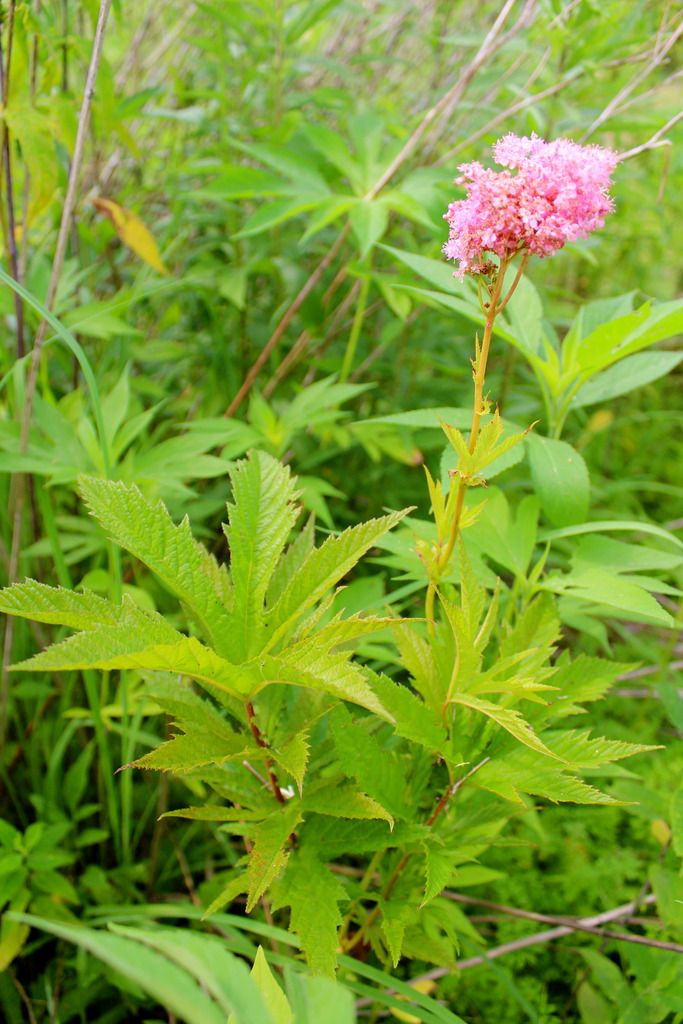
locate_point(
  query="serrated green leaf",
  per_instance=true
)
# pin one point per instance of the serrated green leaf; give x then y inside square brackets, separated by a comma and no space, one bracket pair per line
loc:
[293,757]
[290,562]
[268,856]
[507,718]
[309,664]
[439,871]
[135,630]
[323,568]
[344,802]
[116,647]
[184,753]
[579,749]
[584,679]
[261,517]
[490,446]
[210,812]
[313,893]
[189,710]
[395,918]
[235,887]
[520,772]
[58,606]
[412,719]
[378,770]
[178,560]
[418,658]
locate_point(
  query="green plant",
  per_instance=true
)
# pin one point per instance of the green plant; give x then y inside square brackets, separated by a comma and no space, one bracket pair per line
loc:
[254,230]
[277,668]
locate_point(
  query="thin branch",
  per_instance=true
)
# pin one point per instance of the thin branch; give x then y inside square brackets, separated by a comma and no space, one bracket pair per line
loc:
[286,320]
[261,742]
[577,924]
[651,670]
[60,252]
[501,118]
[490,44]
[133,52]
[655,141]
[565,922]
[23,995]
[641,693]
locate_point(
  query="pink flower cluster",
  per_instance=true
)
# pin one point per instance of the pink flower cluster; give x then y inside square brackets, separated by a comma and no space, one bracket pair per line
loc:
[559,193]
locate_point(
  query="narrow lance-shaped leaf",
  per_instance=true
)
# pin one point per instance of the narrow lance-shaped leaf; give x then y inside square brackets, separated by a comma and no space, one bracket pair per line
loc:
[172,987]
[507,718]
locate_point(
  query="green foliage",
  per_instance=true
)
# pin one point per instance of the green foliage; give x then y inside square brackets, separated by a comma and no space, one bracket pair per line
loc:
[373,766]
[370,717]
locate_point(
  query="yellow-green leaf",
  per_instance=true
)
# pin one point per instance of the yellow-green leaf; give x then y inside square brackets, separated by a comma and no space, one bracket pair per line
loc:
[132,232]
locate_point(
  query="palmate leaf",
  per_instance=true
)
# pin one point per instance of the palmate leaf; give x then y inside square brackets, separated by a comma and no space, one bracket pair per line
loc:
[58,606]
[146,530]
[490,446]
[261,515]
[322,569]
[313,893]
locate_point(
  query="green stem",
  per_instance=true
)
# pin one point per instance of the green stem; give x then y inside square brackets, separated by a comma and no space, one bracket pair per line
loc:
[494,308]
[352,344]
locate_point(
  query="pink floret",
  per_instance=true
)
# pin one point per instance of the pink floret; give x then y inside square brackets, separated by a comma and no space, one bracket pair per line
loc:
[549,194]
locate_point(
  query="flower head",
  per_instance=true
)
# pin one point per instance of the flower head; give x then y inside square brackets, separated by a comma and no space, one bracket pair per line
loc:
[549,194]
